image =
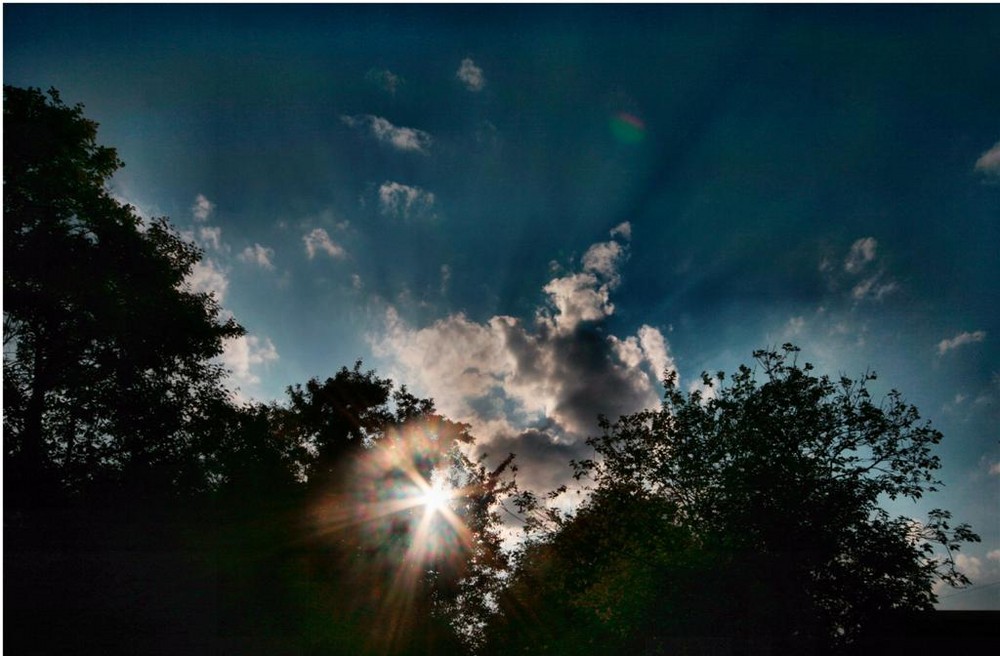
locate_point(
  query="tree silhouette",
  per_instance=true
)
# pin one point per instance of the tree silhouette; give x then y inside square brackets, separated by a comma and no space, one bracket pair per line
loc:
[107,354]
[345,557]
[767,497]
[148,513]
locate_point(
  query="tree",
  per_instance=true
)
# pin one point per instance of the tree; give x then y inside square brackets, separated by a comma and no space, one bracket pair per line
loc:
[778,486]
[113,394]
[108,355]
[599,581]
[323,523]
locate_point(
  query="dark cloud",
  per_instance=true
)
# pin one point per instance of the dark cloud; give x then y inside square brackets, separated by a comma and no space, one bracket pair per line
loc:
[543,461]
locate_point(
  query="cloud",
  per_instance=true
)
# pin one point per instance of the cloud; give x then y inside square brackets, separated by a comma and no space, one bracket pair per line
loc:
[794,326]
[207,277]
[862,252]
[993,555]
[539,384]
[243,355]
[318,240]
[542,459]
[995,469]
[202,208]
[385,80]
[960,339]
[471,75]
[968,565]
[654,347]
[577,298]
[872,289]
[603,259]
[989,162]
[445,278]
[405,139]
[585,296]
[403,201]
[260,255]
[211,236]
[623,230]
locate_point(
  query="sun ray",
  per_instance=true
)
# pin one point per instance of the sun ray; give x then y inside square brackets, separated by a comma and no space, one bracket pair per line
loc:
[400,507]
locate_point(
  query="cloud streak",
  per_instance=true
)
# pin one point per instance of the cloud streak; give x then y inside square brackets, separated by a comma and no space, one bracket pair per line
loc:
[862,252]
[318,241]
[400,138]
[403,201]
[989,162]
[867,282]
[959,340]
[262,256]
[202,208]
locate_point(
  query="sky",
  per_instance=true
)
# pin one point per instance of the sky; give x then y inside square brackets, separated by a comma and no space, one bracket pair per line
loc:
[529,213]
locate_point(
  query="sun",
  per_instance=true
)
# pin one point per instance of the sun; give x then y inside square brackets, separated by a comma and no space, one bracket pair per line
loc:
[436,497]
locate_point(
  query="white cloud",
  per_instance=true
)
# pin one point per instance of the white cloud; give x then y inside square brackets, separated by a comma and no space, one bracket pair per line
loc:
[995,469]
[862,252]
[603,259]
[471,75]
[471,369]
[654,347]
[585,296]
[993,555]
[259,255]
[318,240]
[968,565]
[960,339]
[872,289]
[143,211]
[208,277]
[211,236]
[403,201]
[535,388]
[648,347]
[202,208]
[578,297]
[623,230]
[628,351]
[245,354]
[405,139]
[874,286]
[989,162]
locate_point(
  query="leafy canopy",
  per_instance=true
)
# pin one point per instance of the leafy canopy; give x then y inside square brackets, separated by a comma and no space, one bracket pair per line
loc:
[108,354]
[768,488]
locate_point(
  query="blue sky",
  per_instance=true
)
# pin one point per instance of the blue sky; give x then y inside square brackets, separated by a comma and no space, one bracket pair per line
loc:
[528,212]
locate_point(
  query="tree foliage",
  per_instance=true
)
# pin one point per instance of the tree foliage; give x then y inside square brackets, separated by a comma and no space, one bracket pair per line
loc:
[108,356]
[769,490]
[365,566]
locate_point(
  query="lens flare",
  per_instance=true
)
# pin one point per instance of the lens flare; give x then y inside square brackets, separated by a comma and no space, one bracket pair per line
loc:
[627,128]
[398,514]
[437,496]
